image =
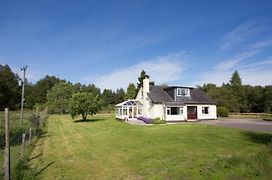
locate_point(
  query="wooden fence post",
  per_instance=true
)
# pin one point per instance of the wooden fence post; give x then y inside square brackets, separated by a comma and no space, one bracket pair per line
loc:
[23,145]
[6,165]
[30,135]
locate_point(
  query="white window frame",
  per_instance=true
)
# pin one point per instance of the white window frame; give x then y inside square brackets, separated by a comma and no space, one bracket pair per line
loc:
[186,92]
[168,109]
[180,110]
[203,110]
[169,112]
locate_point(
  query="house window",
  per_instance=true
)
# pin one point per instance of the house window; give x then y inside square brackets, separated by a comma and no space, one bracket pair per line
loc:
[125,111]
[119,111]
[183,92]
[181,110]
[174,110]
[140,111]
[168,111]
[205,110]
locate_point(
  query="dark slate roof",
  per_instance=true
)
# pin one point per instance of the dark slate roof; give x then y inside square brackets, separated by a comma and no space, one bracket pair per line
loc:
[158,95]
[198,97]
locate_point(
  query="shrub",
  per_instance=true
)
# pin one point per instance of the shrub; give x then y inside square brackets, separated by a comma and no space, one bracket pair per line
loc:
[158,120]
[222,112]
[144,119]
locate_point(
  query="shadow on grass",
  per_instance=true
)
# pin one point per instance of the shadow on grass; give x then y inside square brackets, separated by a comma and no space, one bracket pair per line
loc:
[35,157]
[260,138]
[88,120]
[38,144]
[45,167]
[44,136]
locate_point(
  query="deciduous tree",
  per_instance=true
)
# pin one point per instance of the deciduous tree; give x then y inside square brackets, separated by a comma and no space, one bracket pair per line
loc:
[9,88]
[59,97]
[83,104]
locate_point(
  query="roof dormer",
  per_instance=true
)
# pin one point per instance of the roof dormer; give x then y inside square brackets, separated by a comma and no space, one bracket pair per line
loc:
[183,92]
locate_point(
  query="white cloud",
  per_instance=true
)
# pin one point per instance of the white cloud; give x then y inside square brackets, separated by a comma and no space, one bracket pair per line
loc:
[254,74]
[244,33]
[238,35]
[262,44]
[232,62]
[161,70]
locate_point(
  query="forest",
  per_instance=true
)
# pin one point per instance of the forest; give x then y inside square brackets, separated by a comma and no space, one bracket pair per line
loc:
[55,93]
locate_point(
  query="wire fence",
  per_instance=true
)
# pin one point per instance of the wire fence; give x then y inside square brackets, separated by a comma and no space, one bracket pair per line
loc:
[22,137]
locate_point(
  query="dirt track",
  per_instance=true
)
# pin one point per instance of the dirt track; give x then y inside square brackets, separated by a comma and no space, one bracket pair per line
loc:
[247,124]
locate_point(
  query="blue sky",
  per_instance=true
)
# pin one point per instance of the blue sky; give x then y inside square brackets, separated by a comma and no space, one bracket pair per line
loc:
[109,42]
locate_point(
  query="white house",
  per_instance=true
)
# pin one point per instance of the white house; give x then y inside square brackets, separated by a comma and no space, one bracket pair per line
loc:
[175,103]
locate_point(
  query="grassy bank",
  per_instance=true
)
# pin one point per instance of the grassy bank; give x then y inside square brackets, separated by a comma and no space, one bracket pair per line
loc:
[103,148]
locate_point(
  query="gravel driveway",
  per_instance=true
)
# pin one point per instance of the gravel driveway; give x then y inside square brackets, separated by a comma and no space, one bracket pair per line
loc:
[247,124]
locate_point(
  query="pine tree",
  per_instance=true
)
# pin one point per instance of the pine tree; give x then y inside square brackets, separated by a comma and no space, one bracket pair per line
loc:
[142,76]
[238,91]
[131,91]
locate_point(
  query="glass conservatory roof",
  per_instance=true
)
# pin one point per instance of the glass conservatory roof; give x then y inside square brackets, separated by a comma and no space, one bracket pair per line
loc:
[129,103]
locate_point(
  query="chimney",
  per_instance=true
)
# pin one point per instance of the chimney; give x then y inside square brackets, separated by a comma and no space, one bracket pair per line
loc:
[146,85]
[145,99]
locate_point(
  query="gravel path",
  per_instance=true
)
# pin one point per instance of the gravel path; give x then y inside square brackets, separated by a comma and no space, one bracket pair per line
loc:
[247,124]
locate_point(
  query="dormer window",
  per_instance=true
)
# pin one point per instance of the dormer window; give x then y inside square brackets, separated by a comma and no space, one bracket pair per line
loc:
[183,92]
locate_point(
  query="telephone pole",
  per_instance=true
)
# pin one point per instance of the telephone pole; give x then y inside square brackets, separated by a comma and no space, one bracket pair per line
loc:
[23,94]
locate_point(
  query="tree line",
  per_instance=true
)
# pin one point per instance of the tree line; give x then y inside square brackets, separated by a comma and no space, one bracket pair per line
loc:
[237,97]
[55,93]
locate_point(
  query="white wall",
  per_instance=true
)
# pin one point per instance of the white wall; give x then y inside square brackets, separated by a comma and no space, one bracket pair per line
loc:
[157,110]
[180,117]
[212,112]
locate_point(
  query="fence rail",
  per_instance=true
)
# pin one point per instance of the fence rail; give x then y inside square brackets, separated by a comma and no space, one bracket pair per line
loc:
[21,139]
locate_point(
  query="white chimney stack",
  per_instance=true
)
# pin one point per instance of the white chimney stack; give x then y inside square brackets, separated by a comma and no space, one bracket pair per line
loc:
[145,97]
[146,85]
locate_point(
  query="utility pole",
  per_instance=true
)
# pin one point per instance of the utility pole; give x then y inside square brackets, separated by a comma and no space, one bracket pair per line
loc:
[23,94]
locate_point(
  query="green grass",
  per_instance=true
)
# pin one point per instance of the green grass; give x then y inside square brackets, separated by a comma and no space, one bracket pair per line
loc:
[103,148]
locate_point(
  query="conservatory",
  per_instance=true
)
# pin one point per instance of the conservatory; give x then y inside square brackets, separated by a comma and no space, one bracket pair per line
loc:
[130,109]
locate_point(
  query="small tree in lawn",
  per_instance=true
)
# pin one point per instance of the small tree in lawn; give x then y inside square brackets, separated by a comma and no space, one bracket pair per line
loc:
[83,104]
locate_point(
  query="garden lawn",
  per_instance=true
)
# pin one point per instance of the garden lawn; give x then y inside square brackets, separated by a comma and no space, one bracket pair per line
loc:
[104,148]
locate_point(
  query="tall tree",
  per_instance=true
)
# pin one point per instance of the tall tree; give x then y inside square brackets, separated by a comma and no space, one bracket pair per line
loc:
[120,95]
[254,96]
[142,76]
[9,88]
[108,97]
[58,98]
[207,87]
[238,91]
[39,90]
[131,91]
[91,88]
[224,98]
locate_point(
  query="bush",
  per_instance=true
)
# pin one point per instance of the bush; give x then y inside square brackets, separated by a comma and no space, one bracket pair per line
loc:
[158,121]
[222,112]
[144,119]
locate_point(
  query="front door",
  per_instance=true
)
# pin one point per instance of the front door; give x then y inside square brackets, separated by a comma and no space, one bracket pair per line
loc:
[192,112]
